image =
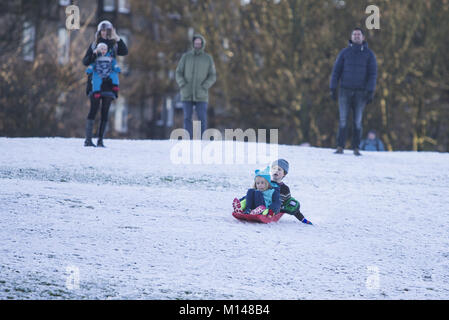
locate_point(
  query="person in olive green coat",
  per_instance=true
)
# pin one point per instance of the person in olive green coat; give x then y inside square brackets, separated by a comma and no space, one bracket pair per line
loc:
[195,74]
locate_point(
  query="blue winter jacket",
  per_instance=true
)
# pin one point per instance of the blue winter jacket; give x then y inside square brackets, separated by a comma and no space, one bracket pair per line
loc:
[355,68]
[372,145]
[272,198]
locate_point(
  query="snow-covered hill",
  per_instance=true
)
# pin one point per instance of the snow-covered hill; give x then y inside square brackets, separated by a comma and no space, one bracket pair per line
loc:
[125,222]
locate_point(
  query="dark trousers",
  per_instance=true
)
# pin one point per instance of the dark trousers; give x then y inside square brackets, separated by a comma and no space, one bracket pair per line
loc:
[201,111]
[95,105]
[348,100]
[254,198]
[296,213]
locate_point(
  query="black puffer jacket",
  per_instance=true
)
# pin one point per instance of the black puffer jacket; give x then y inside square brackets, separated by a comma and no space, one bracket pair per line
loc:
[355,68]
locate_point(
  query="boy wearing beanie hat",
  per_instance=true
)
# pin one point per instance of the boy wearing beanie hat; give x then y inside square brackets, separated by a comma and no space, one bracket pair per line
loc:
[279,170]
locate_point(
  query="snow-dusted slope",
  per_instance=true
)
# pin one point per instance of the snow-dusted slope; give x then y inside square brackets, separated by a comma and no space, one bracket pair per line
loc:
[128,223]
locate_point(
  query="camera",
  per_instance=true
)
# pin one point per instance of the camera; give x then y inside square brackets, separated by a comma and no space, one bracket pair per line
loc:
[108,32]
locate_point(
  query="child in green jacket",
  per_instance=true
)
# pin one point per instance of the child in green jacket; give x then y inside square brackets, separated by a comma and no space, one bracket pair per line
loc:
[279,170]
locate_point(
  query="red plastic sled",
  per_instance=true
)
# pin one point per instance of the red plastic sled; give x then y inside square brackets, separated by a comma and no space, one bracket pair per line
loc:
[258,217]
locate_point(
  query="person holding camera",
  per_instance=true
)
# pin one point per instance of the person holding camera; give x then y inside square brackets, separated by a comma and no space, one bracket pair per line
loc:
[105,34]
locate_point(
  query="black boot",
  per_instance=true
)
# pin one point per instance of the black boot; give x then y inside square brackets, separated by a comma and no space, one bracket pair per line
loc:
[101,134]
[339,150]
[89,126]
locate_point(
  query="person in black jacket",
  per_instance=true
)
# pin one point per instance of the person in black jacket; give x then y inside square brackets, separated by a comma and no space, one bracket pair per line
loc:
[116,46]
[279,169]
[356,71]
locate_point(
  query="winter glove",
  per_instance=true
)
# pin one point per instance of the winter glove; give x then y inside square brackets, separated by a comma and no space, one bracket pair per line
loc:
[334,94]
[369,97]
[114,35]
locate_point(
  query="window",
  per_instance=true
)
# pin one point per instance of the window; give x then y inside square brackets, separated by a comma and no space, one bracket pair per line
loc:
[109,5]
[170,112]
[63,45]
[123,6]
[121,115]
[28,39]
[190,33]
[339,4]
[64,2]
[259,60]
[225,43]
[59,111]
[160,119]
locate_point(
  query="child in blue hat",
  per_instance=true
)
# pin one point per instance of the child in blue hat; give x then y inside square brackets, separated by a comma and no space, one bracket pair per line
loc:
[105,66]
[263,198]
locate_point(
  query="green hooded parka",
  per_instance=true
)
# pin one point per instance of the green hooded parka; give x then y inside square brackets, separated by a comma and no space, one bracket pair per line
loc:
[195,73]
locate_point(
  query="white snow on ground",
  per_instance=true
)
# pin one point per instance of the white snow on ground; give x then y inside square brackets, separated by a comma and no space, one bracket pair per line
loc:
[133,225]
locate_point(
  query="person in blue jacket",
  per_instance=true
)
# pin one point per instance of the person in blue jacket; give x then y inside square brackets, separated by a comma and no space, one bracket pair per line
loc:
[263,198]
[104,67]
[355,69]
[372,142]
